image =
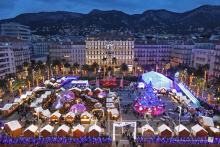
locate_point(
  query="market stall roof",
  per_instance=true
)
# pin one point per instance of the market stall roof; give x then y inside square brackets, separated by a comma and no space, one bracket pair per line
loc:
[173,91]
[114,111]
[33,104]
[95,127]
[163,127]
[59,81]
[38,88]
[179,94]
[38,109]
[46,113]
[48,92]
[70,114]
[84,82]
[29,93]
[17,100]
[158,80]
[75,88]
[39,100]
[79,127]
[215,130]
[47,82]
[7,107]
[43,96]
[109,100]
[180,128]
[147,127]
[197,128]
[56,114]
[87,114]
[14,125]
[32,128]
[48,128]
[98,89]
[64,128]
[23,96]
[208,121]
[109,105]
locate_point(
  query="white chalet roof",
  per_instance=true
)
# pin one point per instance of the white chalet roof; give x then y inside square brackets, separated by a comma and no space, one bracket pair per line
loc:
[32,128]
[29,93]
[7,107]
[38,109]
[23,96]
[17,100]
[180,128]
[179,94]
[33,104]
[114,111]
[48,128]
[79,127]
[56,114]
[39,100]
[147,127]
[95,127]
[109,100]
[14,125]
[208,121]
[174,91]
[46,113]
[87,114]
[196,129]
[163,127]
[64,128]
[48,92]
[215,130]
[98,89]
[70,114]
[59,81]
[43,96]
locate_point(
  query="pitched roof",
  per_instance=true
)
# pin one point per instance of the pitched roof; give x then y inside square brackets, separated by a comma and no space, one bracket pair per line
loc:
[14,125]
[23,96]
[180,128]
[87,114]
[43,96]
[29,93]
[197,128]
[95,127]
[208,121]
[70,114]
[79,127]
[163,127]
[7,107]
[48,128]
[46,113]
[114,111]
[17,100]
[38,109]
[64,128]
[56,114]
[215,130]
[39,100]
[33,104]
[32,128]
[147,127]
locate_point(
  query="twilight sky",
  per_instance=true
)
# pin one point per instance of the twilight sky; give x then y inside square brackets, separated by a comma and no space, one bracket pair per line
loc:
[12,8]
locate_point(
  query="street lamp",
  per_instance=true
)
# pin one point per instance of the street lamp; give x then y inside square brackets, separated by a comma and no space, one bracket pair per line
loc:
[179,120]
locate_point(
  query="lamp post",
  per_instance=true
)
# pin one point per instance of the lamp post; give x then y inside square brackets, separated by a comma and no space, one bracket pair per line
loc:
[179,120]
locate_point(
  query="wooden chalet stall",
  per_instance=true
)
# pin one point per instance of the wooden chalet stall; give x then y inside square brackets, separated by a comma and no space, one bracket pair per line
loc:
[76,91]
[164,131]
[38,110]
[14,128]
[39,101]
[47,131]
[172,93]
[97,91]
[52,80]
[45,114]
[163,90]
[206,122]
[78,131]
[56,116]
[198,131]
[182,131]
[114,113]
[29,93]
[178,96]
[214,132]
[94,131]
[69,117]
[147,131]
[24,97]
[48,93]
[86,117]
[33,105]
[8,109]
[32,130]
[86,91]
[18,101]
[63,130]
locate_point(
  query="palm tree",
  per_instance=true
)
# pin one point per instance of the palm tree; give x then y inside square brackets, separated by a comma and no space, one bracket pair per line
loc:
[3,85]
[40,66]
[25,64]
[124,68]
[114,60]
[8,77]
[199,83]
[63,61]
[19,68]
[95,66]
[48,67]
[56,63]
[17,84]
[76,66]
[182,74]
[36,77]
[167,66]
[85,67]
[104,61]
[66,65]
[135,60]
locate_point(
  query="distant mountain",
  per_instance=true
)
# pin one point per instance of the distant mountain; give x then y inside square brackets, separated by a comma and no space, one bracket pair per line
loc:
[205,16]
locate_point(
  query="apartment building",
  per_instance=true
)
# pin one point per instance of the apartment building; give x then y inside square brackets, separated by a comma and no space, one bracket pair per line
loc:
[181,53]
[152,52]
[73,52]
[109,45]
[216,71]
[16,30]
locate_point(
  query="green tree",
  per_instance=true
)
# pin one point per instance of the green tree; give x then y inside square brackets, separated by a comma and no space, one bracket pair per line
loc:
[135,70]
[124,68]
[3,85]
[56,63]
[76,66]
[17,85]
[95,66]
[19,68]
[199,83]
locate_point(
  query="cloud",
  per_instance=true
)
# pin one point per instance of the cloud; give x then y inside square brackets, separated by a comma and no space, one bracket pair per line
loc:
[16,7]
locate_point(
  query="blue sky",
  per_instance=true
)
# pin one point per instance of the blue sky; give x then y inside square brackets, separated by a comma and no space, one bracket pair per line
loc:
[12,8]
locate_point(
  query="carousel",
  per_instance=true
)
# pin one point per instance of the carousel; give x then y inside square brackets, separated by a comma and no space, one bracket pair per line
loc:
[149,103]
